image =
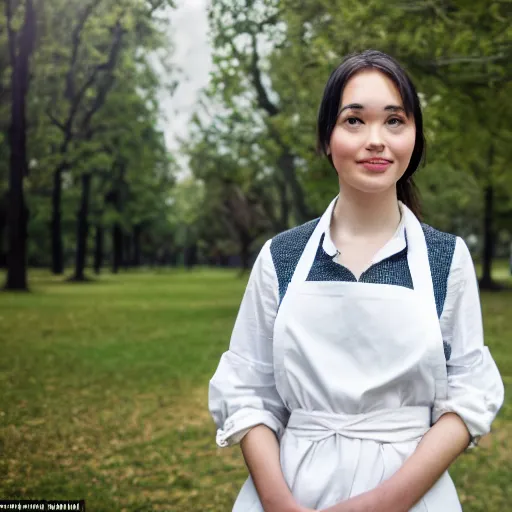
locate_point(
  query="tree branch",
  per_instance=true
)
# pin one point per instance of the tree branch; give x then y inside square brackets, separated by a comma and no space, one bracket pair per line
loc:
[109,66]
[255,75]
[271,20]
[155,5]
[76,100]
[263,99]
[69,92]
[77,39]
[11,33]
[104,66]
[55,121]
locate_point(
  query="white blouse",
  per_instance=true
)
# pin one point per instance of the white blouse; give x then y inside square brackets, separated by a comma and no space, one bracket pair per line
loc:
[237,403]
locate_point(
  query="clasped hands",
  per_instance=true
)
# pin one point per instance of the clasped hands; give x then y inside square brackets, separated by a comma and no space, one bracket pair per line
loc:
[367,502]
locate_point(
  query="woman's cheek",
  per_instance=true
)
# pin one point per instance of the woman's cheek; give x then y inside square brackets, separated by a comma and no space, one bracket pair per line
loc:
[343,145]
[403,146]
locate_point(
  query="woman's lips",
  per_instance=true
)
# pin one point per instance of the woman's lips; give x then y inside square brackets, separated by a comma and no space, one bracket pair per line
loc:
[375,165]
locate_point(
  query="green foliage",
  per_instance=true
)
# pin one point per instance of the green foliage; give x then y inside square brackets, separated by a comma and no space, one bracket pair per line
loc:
[272,60]
[252,151]
[240,205]
[93,107]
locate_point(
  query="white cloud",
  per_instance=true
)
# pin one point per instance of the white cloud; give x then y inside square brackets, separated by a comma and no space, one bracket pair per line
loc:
[189,33]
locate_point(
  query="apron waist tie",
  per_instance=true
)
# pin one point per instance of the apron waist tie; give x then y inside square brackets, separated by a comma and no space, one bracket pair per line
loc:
[395,425]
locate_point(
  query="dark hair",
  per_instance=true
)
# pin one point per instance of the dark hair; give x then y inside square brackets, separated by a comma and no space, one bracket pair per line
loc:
[329,108]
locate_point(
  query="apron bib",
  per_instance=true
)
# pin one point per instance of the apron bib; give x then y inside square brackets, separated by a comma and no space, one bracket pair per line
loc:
[345,356]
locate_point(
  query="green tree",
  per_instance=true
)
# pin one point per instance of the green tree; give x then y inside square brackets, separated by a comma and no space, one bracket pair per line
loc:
[124,133]
[86,63]
[244,32]
[21,44]
[240,194]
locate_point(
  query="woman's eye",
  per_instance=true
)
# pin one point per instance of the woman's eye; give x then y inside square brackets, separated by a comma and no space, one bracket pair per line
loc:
[353,121]
[395,121]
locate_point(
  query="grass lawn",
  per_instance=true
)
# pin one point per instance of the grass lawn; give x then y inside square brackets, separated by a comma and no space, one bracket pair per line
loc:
[104,394]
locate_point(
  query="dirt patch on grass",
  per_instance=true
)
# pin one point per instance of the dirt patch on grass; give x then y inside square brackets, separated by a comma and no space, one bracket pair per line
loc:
[150,451]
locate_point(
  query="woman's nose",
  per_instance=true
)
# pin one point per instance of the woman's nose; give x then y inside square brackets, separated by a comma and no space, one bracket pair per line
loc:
[375,141]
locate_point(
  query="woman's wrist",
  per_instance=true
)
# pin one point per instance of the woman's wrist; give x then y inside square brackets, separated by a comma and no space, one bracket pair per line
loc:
[287,505]
[388,497]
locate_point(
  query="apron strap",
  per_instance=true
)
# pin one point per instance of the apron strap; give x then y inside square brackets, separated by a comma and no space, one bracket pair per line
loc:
[417,256]
[421,273]
[308,256]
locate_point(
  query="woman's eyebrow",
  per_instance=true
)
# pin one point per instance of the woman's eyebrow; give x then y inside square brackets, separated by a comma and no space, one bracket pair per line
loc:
[353,106]
[395,108]
[358,106]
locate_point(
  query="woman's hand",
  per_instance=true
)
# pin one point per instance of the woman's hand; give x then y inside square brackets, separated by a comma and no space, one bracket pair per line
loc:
[366,502]
[293,508]
[297,508]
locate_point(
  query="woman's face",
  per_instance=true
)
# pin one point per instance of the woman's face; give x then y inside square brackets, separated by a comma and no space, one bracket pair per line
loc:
[372,142]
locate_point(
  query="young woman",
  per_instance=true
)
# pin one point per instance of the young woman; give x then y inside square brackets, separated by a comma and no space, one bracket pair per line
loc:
[357,371]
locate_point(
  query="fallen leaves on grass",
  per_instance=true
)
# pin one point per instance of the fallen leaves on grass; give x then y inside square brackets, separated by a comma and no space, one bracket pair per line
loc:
[151,448]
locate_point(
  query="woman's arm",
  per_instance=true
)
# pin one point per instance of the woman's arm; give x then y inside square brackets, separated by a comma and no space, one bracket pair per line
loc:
[440,446]
[438,449]
[261,453]
[242,392]
[243,397]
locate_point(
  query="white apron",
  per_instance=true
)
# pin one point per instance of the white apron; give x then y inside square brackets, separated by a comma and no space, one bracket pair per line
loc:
[358,365]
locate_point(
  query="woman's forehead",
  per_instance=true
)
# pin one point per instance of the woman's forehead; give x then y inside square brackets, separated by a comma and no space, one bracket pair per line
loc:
[371,89]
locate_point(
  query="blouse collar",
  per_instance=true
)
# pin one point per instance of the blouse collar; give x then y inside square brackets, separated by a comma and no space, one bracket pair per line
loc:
[396,244]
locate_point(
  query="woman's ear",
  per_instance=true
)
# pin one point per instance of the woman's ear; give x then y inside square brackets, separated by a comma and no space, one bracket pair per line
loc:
[328,150]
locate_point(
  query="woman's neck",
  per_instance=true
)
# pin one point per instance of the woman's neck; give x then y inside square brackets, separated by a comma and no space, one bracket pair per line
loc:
[358,214]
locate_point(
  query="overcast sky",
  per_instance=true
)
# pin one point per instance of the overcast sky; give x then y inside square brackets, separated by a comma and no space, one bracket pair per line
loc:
[189,28]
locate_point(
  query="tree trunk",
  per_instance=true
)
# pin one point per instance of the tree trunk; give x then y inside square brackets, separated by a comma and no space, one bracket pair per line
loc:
[486,281]
[117,248]
[17,216]
[137,232]
[284,210]
[82,229]
[21,47]
[127,251]
[287,166]
[3,226]
[245,254]
[286,160]
[56,224]
[190,256]
[98,248]
[116,199]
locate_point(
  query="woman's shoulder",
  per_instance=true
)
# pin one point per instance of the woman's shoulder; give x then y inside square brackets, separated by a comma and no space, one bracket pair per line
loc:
[292,240]
[438,239]
[449,257]
[444,245]
[297,233]
[286,248]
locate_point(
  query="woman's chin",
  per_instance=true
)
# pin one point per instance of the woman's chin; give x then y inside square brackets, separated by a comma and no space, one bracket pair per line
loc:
[371,184]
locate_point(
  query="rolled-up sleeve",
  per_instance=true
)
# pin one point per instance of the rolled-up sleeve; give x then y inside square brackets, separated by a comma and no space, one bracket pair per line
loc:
[242,392]
[475,387]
